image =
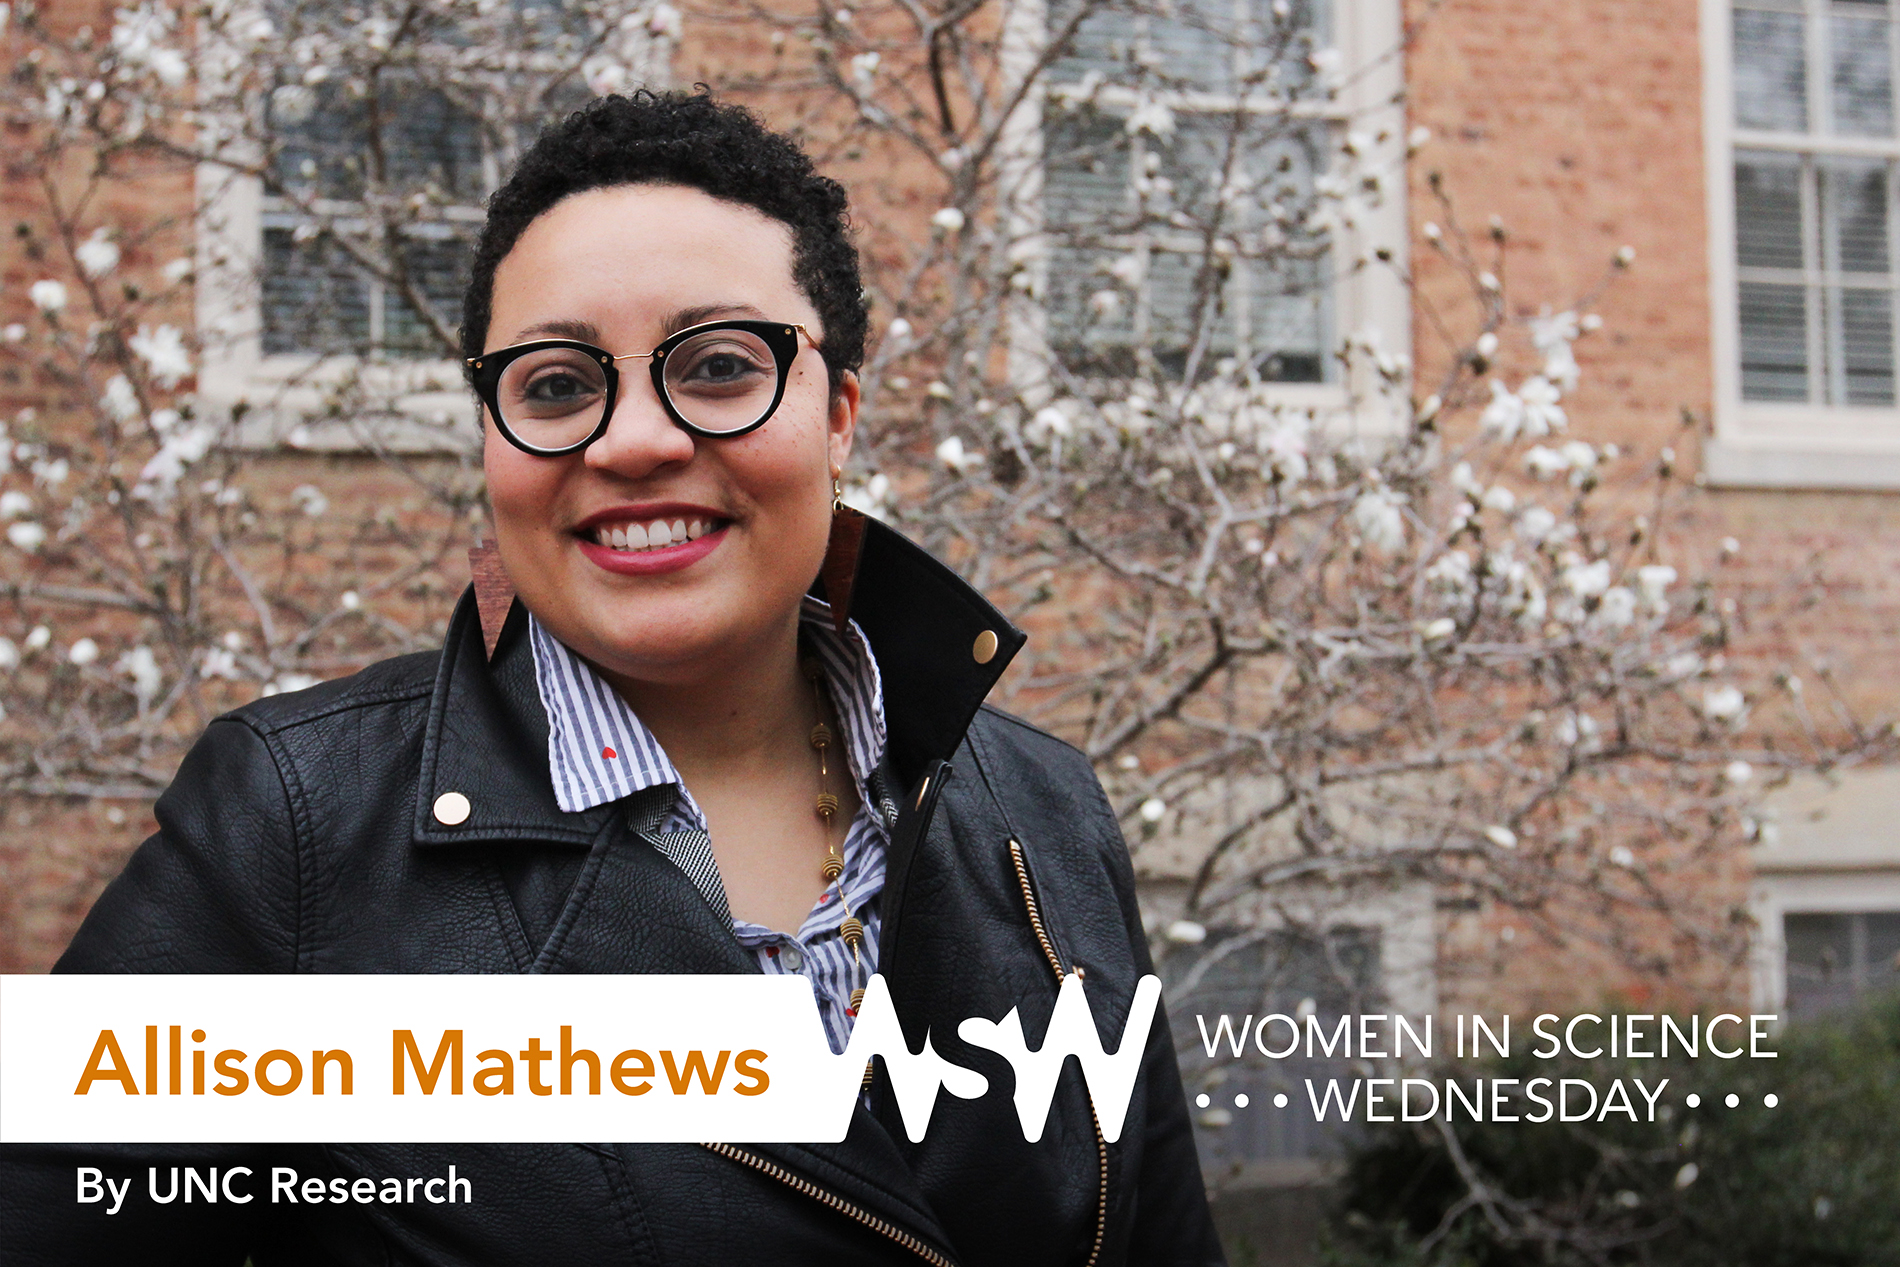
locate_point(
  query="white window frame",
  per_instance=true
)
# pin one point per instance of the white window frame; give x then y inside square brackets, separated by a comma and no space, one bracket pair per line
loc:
[1368,301]
[282,395]
[1758,444]
[1837,851]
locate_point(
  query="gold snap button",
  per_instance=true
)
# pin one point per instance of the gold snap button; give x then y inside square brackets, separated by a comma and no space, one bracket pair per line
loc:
[985,649]
[451,809]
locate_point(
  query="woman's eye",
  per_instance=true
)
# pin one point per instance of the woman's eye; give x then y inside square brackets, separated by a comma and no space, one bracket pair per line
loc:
[558,388]
[719,367]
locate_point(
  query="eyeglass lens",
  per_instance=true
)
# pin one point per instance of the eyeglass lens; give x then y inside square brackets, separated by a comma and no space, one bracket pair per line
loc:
[719,380]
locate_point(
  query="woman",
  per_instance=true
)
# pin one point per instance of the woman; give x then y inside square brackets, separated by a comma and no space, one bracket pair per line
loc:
[646,748]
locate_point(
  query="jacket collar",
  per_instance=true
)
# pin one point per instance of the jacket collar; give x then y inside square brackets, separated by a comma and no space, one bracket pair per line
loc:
[940,647]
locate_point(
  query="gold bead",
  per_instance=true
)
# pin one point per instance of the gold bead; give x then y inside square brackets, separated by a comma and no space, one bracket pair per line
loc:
[833,867]
[821,736]
[827,805]
[857,999]
[852,930]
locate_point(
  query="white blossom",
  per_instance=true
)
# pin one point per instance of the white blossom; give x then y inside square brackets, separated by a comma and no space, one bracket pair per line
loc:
[141,666]
[1542,414]
[1586,580]
[1687,1175]
[1501,836]
[219,662]
[1499,498]
[14,333]
[310,500]
[1617,608]
[47,295]
[289,682]
[176,271]
[1187,932]
[137,37]
[164,352]
[664,21]
[953,455]
[864,69]
[1578,730]
[1653,582]
[83,652]
[949,219]
[26,536]
[38,639]
[1504,415]
[1152,116]
[182,446]
[898,332]
[1378,518]
[1153,809]
[9,655]
[1437,630]
[1487,345]
[1536,524]
[1725,704]
[1737,772]
[14,504]
[119,401]
[1450,572]
[97,255]
[350,601]
[1622,856]
[1544,462]
[1283,444]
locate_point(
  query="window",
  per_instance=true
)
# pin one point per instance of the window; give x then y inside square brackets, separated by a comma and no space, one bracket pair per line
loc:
[1807,166]
[1125,292]
[1826,893]
[332,326]
[1167,124]
[1836,958]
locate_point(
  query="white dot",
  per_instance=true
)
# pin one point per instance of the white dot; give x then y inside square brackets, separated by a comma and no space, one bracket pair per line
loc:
[451,808]
[1241,1101]
[1693,1100]
[1201,1101]
[1732,1100]
[1279,1100]
[1771,1099]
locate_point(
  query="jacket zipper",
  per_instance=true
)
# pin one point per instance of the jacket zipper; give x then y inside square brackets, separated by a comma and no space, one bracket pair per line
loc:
[806,1187]
[1021,862]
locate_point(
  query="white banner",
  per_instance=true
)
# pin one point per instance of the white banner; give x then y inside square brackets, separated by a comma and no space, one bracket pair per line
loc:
[505,1059]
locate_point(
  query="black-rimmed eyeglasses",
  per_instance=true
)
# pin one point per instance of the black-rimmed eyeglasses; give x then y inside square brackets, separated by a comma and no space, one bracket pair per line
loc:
[719,379]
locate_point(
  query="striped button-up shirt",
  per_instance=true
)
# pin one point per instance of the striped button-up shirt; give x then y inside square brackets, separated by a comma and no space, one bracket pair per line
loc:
[600,751]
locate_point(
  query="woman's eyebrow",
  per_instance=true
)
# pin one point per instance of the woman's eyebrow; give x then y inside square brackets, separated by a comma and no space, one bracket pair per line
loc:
[683,317]
[561,328]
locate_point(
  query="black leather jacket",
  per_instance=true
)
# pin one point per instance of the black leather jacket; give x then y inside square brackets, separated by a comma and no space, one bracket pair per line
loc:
[298,837]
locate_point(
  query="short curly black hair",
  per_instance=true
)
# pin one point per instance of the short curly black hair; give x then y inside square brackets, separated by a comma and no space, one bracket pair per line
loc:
[684,138]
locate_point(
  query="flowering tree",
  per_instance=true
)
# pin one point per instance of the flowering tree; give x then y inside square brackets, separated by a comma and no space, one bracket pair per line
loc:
[1330,626]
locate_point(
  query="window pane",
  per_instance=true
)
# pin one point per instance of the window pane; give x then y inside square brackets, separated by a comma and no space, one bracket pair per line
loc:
[1771,76]
[1774,342]
[420,138]
[1866,348]
[1767,210]
[1863,77]
[1883,950]
[1288,312]
[1091,310]
[1854,215]
[1085,173]
[314,300]
[439,267]
[1820,962]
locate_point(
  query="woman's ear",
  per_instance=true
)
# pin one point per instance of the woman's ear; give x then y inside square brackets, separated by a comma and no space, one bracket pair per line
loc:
[842,425]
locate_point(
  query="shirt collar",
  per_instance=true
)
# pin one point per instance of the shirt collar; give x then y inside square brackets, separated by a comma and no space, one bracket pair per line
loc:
[600,751]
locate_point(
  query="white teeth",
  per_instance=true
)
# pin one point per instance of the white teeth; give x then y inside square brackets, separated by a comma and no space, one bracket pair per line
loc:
[653,536]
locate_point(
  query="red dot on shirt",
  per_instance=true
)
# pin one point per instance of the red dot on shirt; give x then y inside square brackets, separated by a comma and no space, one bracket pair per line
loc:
[608,753]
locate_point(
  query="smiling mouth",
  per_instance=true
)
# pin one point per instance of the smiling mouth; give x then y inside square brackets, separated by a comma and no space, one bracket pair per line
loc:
[655,535]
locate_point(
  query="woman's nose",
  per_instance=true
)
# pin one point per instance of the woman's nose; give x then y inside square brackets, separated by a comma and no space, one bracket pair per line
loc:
[641,436]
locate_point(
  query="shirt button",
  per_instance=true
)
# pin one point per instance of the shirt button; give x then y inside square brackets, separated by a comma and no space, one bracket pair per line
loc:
[792,957]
